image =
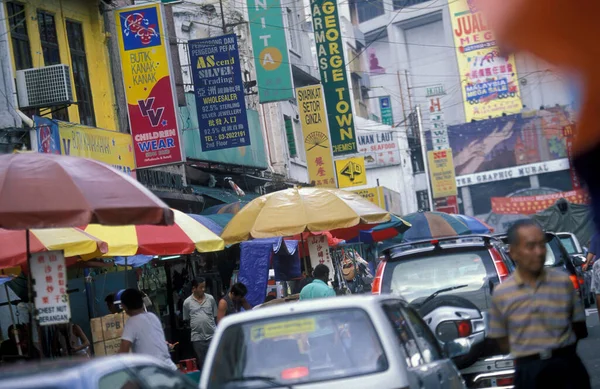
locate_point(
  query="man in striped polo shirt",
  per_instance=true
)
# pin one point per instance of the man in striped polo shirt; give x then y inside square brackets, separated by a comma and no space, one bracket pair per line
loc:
[537,316]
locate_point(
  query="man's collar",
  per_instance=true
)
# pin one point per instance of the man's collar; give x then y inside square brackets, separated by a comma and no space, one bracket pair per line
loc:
[519,280]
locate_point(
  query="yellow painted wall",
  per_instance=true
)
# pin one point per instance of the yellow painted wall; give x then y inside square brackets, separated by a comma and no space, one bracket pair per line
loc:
[87,13]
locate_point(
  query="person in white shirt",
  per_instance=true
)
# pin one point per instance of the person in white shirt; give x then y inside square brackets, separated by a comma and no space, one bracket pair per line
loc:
[143,332]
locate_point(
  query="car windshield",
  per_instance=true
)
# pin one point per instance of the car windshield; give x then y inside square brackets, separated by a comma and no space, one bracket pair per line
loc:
[294,349]
[554,254]
[420,277]
[569,244]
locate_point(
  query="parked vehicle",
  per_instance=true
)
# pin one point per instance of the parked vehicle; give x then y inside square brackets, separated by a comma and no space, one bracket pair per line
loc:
[343,342]
[557,257]
[116,372]
[578,256]
[450,281]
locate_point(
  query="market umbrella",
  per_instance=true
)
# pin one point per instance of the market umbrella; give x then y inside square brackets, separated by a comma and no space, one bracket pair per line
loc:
[48,191]
[183,237]
[293,211]
[232,208]
[209,223]
[72,241]
[475,225]
[428,225]
[378,233]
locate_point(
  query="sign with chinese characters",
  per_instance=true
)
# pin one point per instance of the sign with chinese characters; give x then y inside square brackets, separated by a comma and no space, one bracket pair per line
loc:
[385,106]
[378,148]
[568,134]
[49,271]
[374,195]
[513,172]
[441,171]
[332,66]
[351,172]
[528,205]
[271,56]
[219,90]
[313,118]
[149,87]
[318,248]
[490,85]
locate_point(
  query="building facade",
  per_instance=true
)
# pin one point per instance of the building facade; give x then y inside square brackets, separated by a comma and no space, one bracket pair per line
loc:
[413,58]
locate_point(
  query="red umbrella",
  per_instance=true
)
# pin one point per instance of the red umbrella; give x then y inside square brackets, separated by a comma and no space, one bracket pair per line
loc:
[304,252]
[49,191]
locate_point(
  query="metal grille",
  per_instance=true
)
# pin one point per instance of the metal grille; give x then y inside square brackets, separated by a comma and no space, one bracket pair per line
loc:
[44,87]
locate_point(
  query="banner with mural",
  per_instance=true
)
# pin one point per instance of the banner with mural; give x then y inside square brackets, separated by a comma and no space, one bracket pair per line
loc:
[489,82]
[271,56]
[219,88]
[111,147]
[510,141]
[528,205]
[313,118]
[149,87]
[332,66]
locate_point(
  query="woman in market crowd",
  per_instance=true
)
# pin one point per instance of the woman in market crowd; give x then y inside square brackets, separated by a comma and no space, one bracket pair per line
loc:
[70,340]
[233,301]
[143,332]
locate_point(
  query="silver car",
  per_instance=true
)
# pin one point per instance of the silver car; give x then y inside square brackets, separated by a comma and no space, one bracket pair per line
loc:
[338,342]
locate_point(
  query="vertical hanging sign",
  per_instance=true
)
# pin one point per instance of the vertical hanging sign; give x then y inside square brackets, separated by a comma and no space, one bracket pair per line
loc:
[219,90]
[330,55]
[145,60]
[271,56]
[311,108]
[385,106]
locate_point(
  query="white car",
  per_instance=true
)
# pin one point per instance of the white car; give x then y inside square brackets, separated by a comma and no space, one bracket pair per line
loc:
[338,342]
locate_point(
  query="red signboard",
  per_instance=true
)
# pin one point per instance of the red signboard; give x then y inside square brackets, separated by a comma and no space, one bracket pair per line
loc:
[529,205]
[568,134]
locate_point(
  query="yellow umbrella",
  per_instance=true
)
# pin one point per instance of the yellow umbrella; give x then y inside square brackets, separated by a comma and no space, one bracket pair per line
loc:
[73,241]
[183,237]
[293,211]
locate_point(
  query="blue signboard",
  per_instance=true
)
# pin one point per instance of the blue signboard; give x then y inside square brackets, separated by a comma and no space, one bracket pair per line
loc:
[219,91]
[48,137]
[140,29]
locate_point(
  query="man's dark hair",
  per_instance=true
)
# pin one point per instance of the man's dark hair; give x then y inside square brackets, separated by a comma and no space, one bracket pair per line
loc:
[132,299]
[110,299]
[197,281]
[239,289]
[321,272]
[512,235]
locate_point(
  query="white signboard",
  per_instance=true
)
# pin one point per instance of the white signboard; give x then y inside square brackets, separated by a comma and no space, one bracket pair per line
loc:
[378,148]
[513,172]
[49,273]
[318,248]
[439,132]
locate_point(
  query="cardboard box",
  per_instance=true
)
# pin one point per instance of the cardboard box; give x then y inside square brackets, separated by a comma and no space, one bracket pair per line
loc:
[108,327]
[106,348]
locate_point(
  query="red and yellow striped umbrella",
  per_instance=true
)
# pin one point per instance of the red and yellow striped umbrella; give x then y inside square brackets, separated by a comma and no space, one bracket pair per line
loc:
[73,241]
[183,237]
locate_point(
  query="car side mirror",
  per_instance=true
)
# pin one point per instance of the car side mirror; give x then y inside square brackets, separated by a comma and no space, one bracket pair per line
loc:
[457,347]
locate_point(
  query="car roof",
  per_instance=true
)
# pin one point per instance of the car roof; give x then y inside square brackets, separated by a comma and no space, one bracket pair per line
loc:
[55,372]
[323,304]
[450,242]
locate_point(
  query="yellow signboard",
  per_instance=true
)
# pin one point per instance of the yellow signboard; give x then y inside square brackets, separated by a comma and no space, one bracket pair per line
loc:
[441,171]
[110,147]
[351,172]
[489,82]
[374,195]
[317,144]
[285,328]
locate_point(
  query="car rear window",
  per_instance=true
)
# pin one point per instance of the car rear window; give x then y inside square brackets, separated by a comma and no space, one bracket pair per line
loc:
[554,254]
[568,243]
[298,349]
[418,277]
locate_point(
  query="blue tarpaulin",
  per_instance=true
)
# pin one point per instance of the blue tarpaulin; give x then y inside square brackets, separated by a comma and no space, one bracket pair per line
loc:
[134,260]
[255,261]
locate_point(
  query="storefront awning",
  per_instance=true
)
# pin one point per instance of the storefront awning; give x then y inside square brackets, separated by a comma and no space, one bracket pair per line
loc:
[223,195]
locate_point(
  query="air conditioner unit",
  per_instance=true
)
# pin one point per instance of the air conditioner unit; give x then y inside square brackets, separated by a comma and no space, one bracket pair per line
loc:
[44,87]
